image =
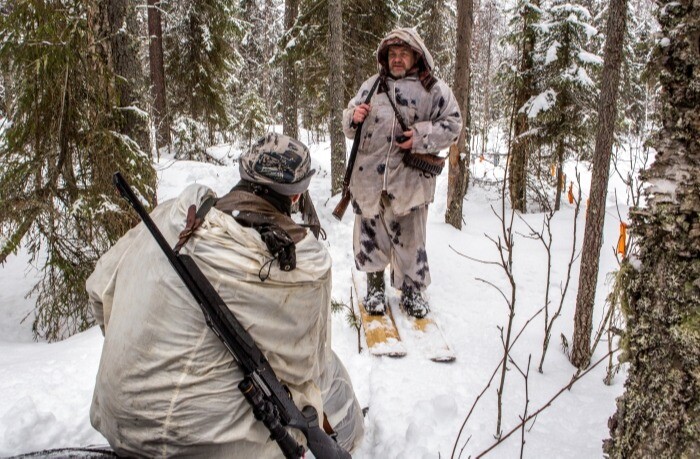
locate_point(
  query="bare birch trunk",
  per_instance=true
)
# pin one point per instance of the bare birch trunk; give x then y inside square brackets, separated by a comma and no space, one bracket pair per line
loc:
[658,416]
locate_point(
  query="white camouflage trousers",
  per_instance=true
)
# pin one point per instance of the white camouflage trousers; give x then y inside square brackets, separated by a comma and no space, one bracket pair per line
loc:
[395,240]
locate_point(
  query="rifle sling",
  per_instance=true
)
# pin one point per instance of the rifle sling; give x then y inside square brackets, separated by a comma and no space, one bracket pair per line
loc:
[194,220]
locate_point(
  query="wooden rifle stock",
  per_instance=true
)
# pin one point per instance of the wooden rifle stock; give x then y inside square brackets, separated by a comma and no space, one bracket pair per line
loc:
[342,206]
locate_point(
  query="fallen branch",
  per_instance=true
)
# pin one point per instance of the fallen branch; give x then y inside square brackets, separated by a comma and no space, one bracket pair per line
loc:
[577,376]
[488,384]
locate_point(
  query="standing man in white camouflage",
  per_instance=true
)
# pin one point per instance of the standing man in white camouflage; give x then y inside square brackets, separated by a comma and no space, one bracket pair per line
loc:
[389,197]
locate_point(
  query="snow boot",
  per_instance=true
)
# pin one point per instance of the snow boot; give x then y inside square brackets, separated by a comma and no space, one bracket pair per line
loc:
[375,301]
[413,303]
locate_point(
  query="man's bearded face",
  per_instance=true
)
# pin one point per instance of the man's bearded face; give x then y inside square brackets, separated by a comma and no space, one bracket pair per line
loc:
[401,60]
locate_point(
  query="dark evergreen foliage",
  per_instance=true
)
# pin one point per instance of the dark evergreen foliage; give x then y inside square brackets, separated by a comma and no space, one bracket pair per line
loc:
[65,138]
[200,58]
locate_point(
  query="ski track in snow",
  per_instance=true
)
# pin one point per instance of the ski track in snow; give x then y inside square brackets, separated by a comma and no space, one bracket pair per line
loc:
[416,406]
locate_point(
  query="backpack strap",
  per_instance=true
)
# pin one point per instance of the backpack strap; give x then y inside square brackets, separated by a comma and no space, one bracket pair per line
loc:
[194,220]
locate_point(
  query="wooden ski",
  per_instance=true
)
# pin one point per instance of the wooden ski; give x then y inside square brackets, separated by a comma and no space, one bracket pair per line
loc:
[381,335]
[425,333]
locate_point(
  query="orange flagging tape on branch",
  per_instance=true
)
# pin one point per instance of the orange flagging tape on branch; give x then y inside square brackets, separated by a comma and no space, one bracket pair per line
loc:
[571,192]
[622,240]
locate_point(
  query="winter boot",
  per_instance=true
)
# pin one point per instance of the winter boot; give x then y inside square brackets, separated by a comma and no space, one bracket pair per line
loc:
[375,303]
[413,303]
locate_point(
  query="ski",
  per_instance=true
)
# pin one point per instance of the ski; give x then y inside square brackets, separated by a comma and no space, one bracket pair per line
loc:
[425,333]
[381,335]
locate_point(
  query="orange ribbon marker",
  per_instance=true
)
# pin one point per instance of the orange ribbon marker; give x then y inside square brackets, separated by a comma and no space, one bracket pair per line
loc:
[571,193]
[622,240]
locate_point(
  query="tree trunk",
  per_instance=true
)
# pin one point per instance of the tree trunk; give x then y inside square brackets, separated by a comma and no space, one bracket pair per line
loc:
[155,60]
[521,145]
[335,48]
[289,79]
[593,235]
[486,115]
[458,178]
[658,416]
[560,173]
[5,93]
[128,69]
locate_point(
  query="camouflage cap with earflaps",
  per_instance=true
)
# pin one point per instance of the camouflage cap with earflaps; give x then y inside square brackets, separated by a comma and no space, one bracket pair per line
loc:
[279,162]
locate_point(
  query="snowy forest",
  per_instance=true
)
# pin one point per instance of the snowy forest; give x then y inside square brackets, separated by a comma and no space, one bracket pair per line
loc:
[578,117]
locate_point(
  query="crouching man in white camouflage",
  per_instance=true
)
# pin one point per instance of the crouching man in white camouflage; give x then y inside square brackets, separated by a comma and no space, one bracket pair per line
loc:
[166,386]
[390,198]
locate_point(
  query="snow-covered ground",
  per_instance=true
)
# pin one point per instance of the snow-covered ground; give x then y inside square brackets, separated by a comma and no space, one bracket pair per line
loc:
[416,406]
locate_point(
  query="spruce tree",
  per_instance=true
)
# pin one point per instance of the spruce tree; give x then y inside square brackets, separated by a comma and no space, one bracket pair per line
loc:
[257,98]
[66,137]
[639,85]
[564,108]
[290,87]
[435,21]
[365,23]
[519,80]
[301,46]
[485,60]
[200,58]
[161,118]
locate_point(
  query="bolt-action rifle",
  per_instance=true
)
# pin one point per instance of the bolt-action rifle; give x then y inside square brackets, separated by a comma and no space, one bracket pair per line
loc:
[269,399]
[342,206]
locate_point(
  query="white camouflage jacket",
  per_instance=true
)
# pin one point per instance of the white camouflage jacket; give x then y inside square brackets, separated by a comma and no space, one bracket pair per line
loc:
[166,386]
[432,114]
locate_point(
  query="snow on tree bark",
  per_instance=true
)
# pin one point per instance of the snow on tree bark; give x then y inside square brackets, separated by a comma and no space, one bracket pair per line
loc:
[659,413]
[125,49]
[526,16]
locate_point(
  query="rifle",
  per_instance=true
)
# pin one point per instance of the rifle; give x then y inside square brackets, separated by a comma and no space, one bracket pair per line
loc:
[342,206]
[270,400]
